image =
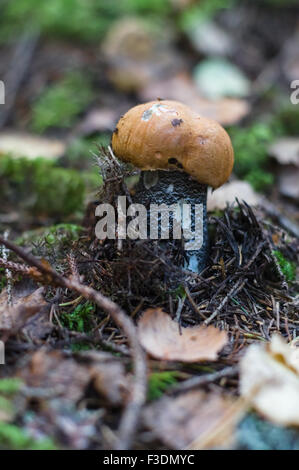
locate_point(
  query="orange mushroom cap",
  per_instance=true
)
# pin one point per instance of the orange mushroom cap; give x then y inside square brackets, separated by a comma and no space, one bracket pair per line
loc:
[169,135]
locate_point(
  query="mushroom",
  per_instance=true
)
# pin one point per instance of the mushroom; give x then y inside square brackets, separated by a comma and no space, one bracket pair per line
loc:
[180,154]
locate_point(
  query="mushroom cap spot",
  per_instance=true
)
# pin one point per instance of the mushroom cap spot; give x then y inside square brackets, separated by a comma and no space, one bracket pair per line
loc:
[147,139]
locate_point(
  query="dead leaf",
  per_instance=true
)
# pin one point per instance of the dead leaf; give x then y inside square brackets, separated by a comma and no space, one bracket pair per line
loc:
[286,150]
[228,193]
[97,120]
[27,301]
[227,111]
[31,146]
[269,377]
[138,53]
[161,337]
[190,417]
[69,376]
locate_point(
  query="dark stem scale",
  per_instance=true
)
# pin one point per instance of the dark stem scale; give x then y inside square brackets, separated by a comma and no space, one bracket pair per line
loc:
[173,187]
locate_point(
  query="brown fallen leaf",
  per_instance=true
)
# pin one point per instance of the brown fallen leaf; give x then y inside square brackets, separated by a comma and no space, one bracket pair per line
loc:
[286,150]
[269,377]
[228,193]
[161,337]
[69,376]
[97,120]
[30,146]
[227,111]
[183,421]
[138,53]
[27,301]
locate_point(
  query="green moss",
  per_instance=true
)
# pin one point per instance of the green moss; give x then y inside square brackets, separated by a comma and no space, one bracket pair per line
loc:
[57,235]
[251,153]
[3,279]
[288,267]
[14,438]
[10,386]
[60,104]
[159,382]
[286,119]
[77,347]
[42,188]
[203,11]
[260,179]
[86,21]
[80,319]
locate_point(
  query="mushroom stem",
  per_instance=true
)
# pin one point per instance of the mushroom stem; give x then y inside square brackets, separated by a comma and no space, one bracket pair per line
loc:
[176,187]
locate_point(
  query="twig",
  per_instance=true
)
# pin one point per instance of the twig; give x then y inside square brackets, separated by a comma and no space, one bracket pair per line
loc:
[235,289]
[73,266]
[196,382]
[15,267]
[195,307]
[132,411]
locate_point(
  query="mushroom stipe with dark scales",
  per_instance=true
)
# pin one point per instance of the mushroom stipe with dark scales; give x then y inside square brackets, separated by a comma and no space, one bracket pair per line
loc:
[167,187]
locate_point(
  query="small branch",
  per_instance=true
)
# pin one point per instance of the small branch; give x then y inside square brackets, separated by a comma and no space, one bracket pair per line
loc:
[131,414]
[73,266]
[235,289]
[196,382]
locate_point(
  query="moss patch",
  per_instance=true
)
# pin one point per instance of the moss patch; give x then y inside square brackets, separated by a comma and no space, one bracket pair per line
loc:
[60,104]
[42,188]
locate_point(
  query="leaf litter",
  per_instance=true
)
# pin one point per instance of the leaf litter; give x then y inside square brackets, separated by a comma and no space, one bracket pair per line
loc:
[162,338]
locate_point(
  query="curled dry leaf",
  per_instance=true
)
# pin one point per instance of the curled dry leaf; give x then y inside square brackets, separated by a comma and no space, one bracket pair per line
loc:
[192,418]
[161,337]
[269,377]
[228,193]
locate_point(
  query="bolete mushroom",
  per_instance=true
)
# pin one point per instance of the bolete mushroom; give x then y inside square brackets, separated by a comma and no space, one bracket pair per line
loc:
[180,154]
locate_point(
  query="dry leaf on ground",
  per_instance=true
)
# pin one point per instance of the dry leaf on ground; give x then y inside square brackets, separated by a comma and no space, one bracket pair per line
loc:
[269,377]
[161,337]
[30,146]
[286,150]
[193,417]
[68,376]
[227,111]
[228,193]
[27,302]
[97,120]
